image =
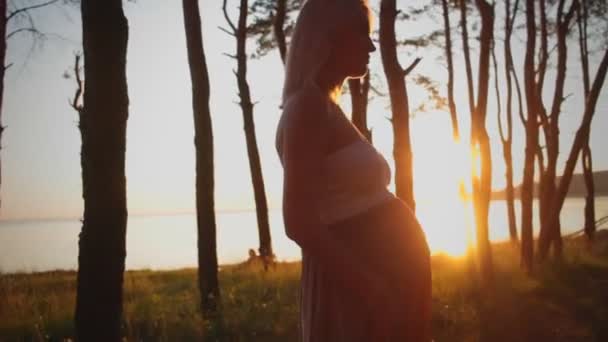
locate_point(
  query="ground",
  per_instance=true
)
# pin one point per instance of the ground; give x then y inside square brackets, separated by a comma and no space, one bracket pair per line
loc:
[561,301]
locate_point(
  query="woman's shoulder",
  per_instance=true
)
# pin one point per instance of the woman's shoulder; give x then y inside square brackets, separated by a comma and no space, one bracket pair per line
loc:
[304,114]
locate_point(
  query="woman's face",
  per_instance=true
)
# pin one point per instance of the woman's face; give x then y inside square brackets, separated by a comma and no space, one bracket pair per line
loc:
[352,47]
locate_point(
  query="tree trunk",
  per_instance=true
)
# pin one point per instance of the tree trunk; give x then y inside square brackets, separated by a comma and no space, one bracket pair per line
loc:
[483,187]
[507,137]
[265,249]
[590,197]
[279,32]
[544,52]
[359,90]
[544,178]
[203,141]
[103,123]
[581,21]
[395,75]
[467,55]
[551,233]
[582,135]
[587,163]
[527,243]
[510,192]
[2,69]
[448,54]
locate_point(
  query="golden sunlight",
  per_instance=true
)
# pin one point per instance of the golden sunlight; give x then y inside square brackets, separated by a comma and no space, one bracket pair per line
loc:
[475,161]
[444,208]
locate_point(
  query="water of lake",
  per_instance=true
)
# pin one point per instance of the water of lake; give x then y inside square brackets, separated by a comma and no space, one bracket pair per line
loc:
[166,242]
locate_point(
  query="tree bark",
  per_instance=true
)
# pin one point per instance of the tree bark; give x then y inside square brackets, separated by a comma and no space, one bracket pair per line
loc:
[448,54]
[359,90]
[582,15]
[279,32]
[482,187]
[395,75]
[551,233]
[544,187]
[103,123]
[240,32]
[582,135]
[587,160]
[527,243]
[590,196]
[467,55]
[2,69]
[507,137]
[203,141]
[544,46]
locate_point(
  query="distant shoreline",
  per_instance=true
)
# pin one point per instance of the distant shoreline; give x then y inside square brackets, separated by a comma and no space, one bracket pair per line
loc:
[577,188]
[496,196]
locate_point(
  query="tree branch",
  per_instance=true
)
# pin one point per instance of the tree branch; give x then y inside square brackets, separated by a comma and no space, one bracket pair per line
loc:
[376,91]
[230,23]
[498,105]
[519,94]
[32,30]
[512,19]
[226,31]
[409,69]
[75,102]
[571,11]
[28,8]
[544,118]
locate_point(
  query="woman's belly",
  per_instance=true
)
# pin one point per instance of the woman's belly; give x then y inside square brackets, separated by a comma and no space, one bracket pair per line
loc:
[388,240]
[340,206]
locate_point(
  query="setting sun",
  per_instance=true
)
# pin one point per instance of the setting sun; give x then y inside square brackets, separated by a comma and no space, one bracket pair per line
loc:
[444,211]
[284,170]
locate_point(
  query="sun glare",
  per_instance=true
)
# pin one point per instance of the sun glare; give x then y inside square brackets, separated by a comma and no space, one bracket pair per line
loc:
[444,208]
[475,161]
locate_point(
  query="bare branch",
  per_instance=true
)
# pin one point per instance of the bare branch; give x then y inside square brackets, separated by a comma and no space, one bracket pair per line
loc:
[409,69]
[226,31]
[229,55]
[512,19]
[519,94]
[8,66]
[498,105]
[32,30]
[544,118]
[78,94]
[571,11]
[230,23]
[28,8]
[376,91]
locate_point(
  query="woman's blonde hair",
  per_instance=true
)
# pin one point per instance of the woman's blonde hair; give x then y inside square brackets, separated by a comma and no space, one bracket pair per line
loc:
[310,45]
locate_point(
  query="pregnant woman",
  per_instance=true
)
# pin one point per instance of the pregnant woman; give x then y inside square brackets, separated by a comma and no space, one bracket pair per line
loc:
[365,262]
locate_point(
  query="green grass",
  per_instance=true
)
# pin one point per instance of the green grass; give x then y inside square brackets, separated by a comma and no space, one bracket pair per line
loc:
[565,301]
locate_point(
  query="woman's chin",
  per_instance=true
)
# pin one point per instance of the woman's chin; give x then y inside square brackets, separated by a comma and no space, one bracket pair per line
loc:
[359,73]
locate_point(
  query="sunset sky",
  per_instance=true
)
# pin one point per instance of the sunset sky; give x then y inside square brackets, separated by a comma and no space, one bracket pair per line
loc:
[41,145]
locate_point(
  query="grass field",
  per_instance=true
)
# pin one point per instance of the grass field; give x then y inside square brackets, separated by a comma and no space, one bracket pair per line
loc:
[565,301]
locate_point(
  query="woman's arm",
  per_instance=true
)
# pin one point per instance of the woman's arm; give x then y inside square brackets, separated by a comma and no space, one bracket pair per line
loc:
[304,142]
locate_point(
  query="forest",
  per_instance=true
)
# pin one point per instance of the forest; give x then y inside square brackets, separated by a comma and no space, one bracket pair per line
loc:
[513,65]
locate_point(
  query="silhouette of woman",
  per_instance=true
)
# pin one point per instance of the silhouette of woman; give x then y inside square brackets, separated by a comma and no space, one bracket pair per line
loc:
[365,261]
